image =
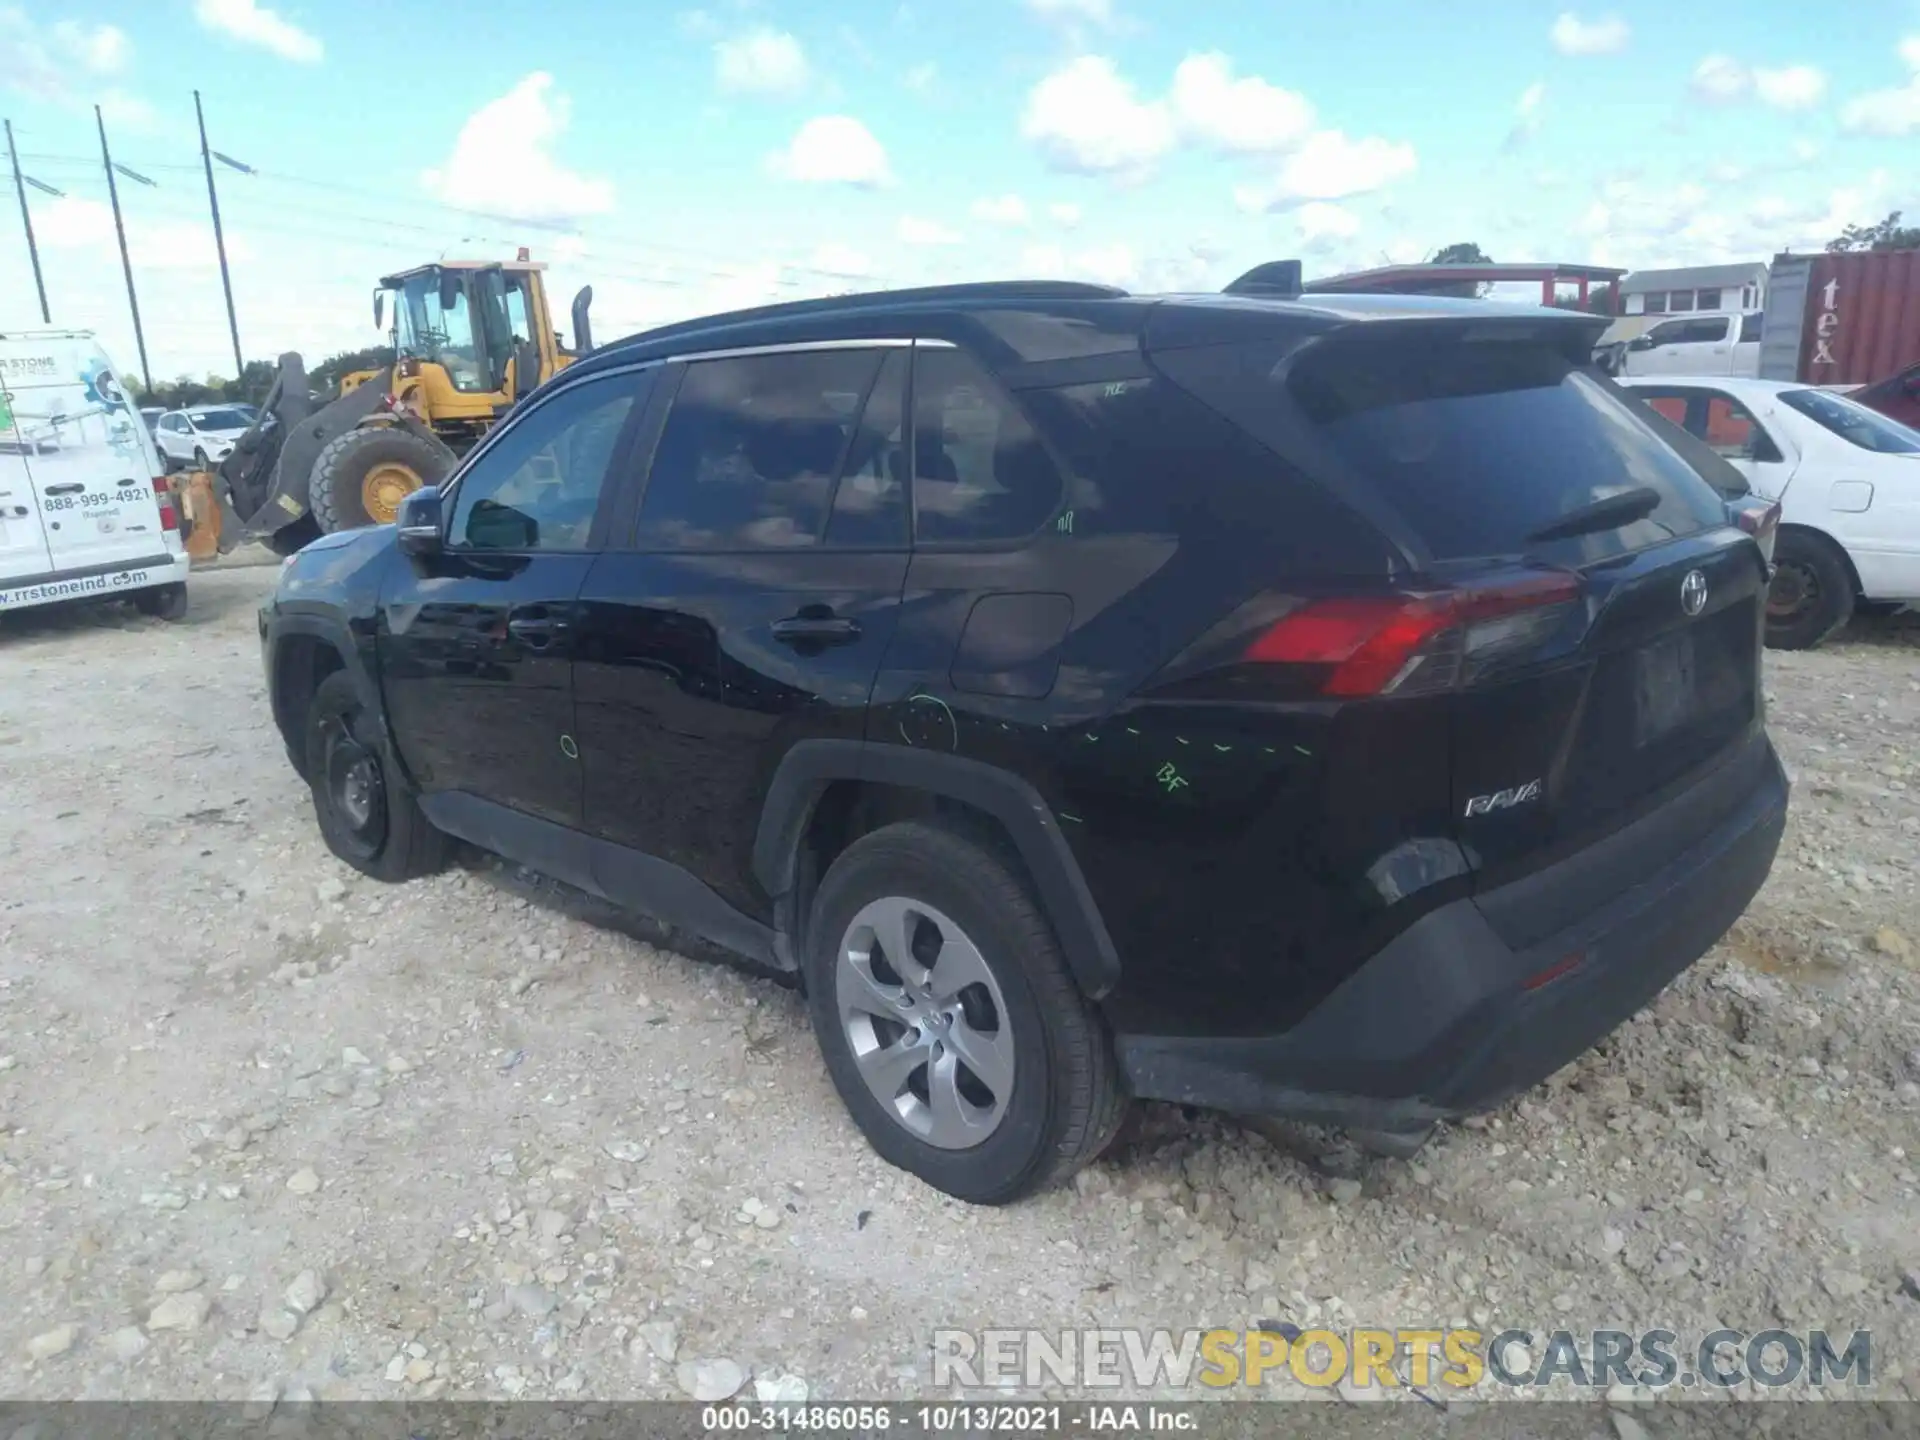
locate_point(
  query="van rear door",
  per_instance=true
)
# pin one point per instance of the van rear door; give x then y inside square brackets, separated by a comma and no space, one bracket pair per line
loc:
[89,460]
[23,542]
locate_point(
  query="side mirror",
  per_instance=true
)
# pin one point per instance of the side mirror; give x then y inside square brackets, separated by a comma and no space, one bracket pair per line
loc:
[1640,342]
[379,309]
[422,523]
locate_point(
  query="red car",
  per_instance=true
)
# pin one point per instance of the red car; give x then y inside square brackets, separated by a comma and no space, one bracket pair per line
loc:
[1898,395]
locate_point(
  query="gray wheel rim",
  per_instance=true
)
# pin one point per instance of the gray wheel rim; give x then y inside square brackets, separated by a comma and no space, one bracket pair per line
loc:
[926,1022]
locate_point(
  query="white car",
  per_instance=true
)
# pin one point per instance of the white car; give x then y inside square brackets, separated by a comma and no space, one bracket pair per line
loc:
[1689,345]
[201,437]
[84,511]
[1846,478]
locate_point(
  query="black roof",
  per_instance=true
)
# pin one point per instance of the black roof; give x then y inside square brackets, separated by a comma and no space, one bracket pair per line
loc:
[1177,318]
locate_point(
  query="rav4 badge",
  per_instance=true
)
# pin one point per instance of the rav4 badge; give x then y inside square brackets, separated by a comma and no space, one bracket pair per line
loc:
[1503,799]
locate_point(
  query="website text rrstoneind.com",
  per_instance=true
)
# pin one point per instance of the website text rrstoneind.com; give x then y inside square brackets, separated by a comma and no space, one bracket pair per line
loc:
[909,1420]
[71,589]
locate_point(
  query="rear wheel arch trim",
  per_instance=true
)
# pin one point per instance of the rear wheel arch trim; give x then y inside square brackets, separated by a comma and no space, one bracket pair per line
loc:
[811,766]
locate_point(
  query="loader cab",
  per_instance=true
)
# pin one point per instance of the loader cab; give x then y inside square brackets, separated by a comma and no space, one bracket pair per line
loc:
[469,339]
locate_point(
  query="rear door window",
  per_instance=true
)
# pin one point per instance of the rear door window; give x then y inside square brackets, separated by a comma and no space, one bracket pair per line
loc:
[1475,444]
[751,448]
[980,472]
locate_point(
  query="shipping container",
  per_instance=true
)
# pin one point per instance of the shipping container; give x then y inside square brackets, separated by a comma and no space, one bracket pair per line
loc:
[1848,319]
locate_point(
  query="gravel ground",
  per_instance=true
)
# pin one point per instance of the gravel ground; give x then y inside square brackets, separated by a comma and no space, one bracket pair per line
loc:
[269,1129]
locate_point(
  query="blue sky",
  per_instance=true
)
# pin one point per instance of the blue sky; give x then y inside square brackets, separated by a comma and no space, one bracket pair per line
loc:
[687,157]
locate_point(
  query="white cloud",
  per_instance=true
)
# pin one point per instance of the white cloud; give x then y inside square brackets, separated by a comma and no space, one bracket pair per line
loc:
[1086,118]
[761,62]
[73,222]
[1891,112]
[1526,114]
[1114,264]
[118,107]
[1320,220]
[1001,210]
[912,230]
[1573,36]
[842,261]
[99,49]
[503,161]
[1719,79]
[921,78]
[1245,114]
[1796,87]
[1068,12]
[1065,214]
[251,24]
[834,150]
[1329,166]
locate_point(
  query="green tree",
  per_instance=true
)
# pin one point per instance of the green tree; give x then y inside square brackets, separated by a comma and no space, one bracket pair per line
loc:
[1889,234]
[325,377]
[1464,252]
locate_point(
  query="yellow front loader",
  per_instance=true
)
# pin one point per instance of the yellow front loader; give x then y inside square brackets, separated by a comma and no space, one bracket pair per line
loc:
[470,340]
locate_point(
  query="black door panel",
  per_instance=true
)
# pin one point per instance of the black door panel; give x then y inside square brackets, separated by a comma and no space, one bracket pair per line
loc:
[479,681]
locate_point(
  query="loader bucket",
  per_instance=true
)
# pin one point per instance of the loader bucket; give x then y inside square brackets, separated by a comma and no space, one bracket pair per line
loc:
[262,485]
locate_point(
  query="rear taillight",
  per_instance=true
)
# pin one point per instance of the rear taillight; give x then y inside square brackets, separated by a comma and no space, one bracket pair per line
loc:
[169,513]
[1415,644]
[1760,521]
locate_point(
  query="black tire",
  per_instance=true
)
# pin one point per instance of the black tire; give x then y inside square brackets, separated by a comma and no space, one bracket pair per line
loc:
[200,461]
[392,840]
[1812,594]
[334,490]
[163,602]
[1067,1099]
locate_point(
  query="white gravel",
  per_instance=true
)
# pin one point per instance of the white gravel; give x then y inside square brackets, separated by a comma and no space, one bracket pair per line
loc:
[453,1138]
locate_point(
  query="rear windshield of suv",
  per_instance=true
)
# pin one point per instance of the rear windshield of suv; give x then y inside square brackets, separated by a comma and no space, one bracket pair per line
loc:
[1474,444]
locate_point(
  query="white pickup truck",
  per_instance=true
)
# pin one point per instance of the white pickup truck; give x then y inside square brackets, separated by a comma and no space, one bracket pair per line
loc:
[1713,344]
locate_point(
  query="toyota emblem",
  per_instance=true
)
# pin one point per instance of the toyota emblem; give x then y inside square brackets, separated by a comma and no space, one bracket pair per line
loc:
[1693,593]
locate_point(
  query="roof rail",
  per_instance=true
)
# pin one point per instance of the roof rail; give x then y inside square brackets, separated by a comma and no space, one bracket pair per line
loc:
[1277,278]
[865,299]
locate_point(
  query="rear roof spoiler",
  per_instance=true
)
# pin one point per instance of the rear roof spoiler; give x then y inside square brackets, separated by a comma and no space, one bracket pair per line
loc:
[1278,279]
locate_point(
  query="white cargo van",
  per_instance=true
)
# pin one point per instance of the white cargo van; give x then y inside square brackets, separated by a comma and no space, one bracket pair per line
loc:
[84,509]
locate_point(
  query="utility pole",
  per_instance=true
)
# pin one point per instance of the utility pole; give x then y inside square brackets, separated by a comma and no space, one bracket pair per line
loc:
[219,240]
[126,261]
[26,219]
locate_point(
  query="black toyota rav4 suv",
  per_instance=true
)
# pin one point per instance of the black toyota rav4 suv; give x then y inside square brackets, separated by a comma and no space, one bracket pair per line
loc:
[1345,708]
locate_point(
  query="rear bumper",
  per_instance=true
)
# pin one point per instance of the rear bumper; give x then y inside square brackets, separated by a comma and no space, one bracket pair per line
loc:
[1450,1018]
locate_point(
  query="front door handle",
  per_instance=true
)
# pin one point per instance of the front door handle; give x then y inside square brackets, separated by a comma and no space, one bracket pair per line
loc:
[826,629]
[537,629]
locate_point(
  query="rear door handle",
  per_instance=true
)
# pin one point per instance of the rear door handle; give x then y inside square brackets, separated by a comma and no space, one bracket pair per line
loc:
[816,630]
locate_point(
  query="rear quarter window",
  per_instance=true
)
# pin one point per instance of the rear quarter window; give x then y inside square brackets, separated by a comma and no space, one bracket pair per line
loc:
[1475,444]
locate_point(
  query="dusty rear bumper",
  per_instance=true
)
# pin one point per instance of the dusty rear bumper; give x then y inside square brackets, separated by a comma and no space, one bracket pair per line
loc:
[1451,1018]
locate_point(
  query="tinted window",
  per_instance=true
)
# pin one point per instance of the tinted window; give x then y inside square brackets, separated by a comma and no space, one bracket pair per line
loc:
[538,485]
[1750,329]
[1730,427]
[979,469]
[1480,445]
[751,448]
[870,502]
[1657,303]
[1668,332]
[1855,424]
[1702,332]
[1672,413]
[1707,300]
[1679,300]
[218,419]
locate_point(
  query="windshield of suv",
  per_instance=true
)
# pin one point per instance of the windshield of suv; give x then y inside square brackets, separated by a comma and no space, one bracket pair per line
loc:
[1482,444]
[218,420]
[1854,422]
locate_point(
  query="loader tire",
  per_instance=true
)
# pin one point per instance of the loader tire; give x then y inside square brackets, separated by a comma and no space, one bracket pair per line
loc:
[362,476]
